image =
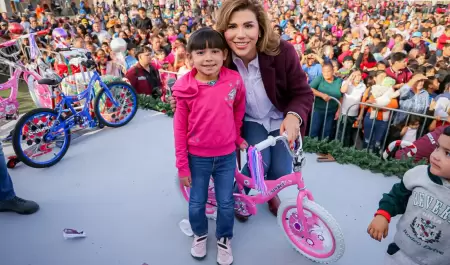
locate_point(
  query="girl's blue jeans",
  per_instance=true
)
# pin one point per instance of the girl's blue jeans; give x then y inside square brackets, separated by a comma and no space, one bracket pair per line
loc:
[322,123]
[379,131]
[277,160]
[6,186]
[222,169]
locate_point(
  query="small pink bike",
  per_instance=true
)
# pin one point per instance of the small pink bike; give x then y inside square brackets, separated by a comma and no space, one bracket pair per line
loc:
[308,227]
[41,94]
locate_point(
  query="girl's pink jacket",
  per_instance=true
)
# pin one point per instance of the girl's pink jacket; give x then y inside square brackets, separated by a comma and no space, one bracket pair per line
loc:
[208,118]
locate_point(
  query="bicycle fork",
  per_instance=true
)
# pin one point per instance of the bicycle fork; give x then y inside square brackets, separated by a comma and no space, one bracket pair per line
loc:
[306,223]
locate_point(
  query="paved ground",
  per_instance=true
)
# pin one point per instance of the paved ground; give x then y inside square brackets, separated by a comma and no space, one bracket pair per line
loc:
[118,186]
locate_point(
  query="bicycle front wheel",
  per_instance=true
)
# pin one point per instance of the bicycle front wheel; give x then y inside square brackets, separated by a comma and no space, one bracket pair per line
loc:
[116,116]
[31,141]
[322,242]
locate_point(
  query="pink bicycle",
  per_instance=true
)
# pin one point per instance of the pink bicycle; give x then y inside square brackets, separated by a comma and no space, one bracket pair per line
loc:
[308,227]
[41,95]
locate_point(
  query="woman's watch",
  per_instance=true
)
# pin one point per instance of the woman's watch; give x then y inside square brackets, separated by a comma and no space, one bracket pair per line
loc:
[296,115]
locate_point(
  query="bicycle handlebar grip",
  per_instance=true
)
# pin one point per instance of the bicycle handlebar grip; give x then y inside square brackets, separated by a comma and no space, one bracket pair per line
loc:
[42,32]
[62,50]
[7,43]
[270,141]
[88,64]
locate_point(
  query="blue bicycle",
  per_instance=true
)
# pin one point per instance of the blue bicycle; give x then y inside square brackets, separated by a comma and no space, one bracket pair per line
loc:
[42,136]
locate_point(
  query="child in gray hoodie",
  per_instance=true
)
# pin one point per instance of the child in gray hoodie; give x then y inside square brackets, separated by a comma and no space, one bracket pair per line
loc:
[423,199]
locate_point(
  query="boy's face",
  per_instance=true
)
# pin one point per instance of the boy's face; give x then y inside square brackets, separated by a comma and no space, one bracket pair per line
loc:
[440,158]
[348,64]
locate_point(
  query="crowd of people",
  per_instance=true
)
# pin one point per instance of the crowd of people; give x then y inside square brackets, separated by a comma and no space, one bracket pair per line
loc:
[388,55]
[350,51]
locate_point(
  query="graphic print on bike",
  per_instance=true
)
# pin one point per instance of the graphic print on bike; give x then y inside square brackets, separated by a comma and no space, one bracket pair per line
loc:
[308,227]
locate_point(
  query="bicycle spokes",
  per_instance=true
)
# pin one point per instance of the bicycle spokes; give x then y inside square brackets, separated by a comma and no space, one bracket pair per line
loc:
[116,113]
[312,234]
[35,141]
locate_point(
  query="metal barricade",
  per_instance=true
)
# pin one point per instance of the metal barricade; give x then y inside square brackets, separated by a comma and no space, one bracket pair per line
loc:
[389,125]
[332,99]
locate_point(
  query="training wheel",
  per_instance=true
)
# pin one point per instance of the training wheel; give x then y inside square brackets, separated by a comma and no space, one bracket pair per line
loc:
[12,162]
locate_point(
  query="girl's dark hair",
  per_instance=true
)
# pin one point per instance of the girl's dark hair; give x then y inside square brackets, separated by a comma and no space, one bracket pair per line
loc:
[328,64]
[413,119]
[447,131]
[206,38]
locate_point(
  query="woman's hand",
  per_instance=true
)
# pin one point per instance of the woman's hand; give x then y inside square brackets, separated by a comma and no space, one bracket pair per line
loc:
[378,228]
[186,181]
[173,103]
[290,126]
[325,97]
[337,115]
[243,146]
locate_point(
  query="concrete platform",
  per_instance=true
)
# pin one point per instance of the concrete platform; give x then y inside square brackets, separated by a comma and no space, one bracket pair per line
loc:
[118,186]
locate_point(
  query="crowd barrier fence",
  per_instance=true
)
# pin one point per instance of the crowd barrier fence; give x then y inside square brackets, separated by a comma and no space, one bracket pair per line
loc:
[342,120]
[355,131]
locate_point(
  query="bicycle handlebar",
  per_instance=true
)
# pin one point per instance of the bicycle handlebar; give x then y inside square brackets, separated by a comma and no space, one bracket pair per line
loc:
[63,49]
[272,141]
[10,43]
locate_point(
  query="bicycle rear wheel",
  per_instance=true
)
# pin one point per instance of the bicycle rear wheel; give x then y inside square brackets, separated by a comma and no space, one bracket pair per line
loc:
[211,204]
[324,243]
[113,116]
[31,142]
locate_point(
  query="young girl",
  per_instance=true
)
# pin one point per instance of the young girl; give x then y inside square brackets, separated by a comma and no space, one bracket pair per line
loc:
[210,108]
[409,132]
[422,198]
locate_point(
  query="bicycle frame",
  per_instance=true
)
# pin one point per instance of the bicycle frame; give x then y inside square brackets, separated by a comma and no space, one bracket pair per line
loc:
[10,105]
[68,101]
[273,188]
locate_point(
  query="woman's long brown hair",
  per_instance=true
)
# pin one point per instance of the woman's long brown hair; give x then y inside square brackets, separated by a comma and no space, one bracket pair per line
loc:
[269,41]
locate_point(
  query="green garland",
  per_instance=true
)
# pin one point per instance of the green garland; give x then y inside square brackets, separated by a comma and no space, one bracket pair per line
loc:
[342,155]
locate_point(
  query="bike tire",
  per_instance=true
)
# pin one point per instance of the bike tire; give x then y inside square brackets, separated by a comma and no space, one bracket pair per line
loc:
[211,211]
[128,118]
[326,218]
[16,140]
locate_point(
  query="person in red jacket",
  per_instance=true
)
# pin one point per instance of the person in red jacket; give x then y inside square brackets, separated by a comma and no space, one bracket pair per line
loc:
[443,39]
[425,145]
[143,76]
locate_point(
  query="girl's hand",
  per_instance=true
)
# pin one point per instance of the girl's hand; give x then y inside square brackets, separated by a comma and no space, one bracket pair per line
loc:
[371,101]
[291,126]
[173,103]
[378,228]
[186,181]
[243,146]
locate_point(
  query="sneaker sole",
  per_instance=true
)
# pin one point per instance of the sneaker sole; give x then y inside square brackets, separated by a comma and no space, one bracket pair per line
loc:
[222,264]
[19,212]
[198,258]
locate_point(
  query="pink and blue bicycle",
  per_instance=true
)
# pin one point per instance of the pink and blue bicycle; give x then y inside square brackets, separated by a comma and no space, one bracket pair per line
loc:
[308,227]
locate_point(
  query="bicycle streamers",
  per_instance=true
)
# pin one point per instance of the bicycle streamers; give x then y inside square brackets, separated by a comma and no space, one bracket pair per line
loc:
[256,167]
[34,50]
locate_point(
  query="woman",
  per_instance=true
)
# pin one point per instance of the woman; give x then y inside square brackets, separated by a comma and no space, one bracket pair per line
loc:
[352,89]
[325,111]
[413,98]
[278,96]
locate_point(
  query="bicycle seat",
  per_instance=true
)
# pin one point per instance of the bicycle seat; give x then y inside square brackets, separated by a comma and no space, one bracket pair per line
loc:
[49,82]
